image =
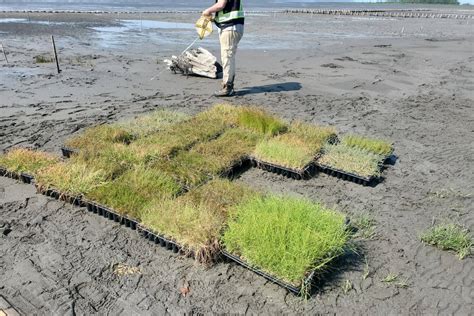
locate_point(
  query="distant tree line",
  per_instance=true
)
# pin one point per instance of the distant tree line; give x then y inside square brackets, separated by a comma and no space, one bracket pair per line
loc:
[431,1]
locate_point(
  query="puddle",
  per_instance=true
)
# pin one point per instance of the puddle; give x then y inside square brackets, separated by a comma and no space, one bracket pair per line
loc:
[24,72]
[140,25]
[13,20]
[154,32]
[31,21]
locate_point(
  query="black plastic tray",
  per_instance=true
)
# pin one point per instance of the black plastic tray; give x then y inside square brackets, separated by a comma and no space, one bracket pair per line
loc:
[68,152]
[346,175]
[306,173]
[110,214]
[159,239]
[24,177]
[3,172]
[237,168]
[293,289]
[390,159]
[10,174]
[56,194]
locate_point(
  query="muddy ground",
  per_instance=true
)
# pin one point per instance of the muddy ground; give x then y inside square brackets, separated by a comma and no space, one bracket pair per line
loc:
[410,81]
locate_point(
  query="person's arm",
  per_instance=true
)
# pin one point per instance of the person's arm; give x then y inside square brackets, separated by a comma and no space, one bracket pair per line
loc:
[215,8]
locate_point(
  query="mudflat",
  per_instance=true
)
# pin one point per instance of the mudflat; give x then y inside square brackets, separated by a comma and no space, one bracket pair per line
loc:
[407,80]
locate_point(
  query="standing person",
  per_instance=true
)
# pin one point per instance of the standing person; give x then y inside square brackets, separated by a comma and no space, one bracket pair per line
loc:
[229,18]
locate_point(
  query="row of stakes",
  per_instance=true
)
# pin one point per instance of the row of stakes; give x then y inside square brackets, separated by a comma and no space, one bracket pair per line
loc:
[381,13]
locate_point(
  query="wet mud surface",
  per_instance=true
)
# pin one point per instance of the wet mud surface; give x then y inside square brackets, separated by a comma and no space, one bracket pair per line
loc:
[394,84]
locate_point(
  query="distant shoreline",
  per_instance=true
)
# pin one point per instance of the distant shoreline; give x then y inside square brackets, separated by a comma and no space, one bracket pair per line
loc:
[396,12]
[261,7]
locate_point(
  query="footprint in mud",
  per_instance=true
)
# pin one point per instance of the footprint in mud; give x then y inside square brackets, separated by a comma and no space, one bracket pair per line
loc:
[331,65]
[345,58]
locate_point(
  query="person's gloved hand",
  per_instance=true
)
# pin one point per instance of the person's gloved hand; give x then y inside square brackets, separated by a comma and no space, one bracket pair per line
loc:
[208,16]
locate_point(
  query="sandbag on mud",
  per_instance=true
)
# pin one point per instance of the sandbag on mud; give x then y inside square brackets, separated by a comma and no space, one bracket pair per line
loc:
[197,61]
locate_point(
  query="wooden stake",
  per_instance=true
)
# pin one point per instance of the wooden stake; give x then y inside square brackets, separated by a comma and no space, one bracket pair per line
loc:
[55,54]
[4,53]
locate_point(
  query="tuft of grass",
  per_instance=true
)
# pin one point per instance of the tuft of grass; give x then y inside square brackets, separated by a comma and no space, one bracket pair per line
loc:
[176,137]
[449,236]
[288,151]
[94,138]
[376,146]
[26,160]
[394,279]
[134,190]
[365,226]
[285,236]
[390,278]
[351,159]
[196,219]
[259,121]
[190,169]
[145,125]
[219,195]
[114,159]
[208,160]
[226,113]
[123,270]
[315,136]
[297,148]
[70,178]
[367,271]
[41,59]
[347,286]
[227,150]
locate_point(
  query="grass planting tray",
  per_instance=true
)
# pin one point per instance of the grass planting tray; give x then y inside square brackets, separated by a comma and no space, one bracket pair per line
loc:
[159,239]
[110,214]
[58,195]
[23,177]
[237,168]
[298,174]
[390,159]
[307,282]
[26,178]
[341,174]
[68,152]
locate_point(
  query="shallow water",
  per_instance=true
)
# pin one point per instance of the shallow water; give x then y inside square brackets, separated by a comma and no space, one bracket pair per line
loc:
[154,32]
[8,20]
[143,25]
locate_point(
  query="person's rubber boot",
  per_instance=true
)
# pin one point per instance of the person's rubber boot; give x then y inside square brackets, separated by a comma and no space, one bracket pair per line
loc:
[226,91]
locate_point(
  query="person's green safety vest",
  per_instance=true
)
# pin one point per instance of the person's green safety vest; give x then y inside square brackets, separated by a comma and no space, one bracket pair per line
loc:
[232,11]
